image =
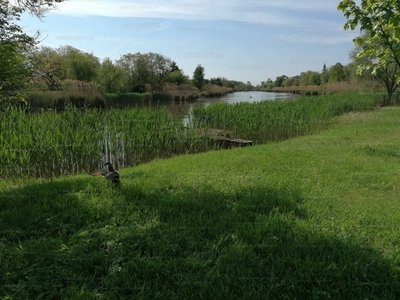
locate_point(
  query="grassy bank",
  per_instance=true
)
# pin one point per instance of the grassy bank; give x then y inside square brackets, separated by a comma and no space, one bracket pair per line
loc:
[314,217]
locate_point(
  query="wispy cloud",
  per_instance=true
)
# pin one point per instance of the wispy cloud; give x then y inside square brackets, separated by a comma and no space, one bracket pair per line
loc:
[234,10]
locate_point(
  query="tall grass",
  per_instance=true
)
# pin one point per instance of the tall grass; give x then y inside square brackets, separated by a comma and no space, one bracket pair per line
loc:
[278,120]
[51,143]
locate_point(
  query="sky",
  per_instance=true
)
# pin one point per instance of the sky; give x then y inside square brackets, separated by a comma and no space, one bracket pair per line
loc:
[237,39]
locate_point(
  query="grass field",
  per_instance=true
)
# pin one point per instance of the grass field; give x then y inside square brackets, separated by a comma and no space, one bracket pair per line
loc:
[314,217]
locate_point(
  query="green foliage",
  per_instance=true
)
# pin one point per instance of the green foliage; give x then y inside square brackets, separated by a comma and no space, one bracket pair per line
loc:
[78,65]
[279,80]
[54,143]
[198,77]
[363,65]
[234,85]
[176,77]
[48,64]
[111,77]
[336,73]
[13,75]
[309,78]
[381,20]
[145,69]
[14,71]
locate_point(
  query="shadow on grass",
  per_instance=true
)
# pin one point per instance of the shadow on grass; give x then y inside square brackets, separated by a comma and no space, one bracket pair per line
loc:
[72,240]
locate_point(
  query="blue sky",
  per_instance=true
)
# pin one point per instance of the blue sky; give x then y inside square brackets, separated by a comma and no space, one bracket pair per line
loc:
[239,40]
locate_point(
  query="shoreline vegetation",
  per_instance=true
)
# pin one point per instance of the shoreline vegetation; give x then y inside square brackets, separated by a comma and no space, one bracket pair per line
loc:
[311,217]
[51,143]
[79,94]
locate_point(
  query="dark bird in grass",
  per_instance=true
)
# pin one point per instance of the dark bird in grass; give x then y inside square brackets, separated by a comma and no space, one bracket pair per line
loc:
[108,173]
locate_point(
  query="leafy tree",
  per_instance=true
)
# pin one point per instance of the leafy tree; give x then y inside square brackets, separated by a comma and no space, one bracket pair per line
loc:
[176,77]
[15,68]
[149,68]
[13,75]
[79,65]
[336,73]
[161,67]
[198,77]
[48,66]
[111,77]
[279,80]
[387,74]
[381,19]
[268,84]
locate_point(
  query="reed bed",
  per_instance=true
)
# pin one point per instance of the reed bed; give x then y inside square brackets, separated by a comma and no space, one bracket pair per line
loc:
[278,120]
[50,143]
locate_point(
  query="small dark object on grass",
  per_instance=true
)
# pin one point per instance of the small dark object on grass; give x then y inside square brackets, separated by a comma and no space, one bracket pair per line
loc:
[108,173]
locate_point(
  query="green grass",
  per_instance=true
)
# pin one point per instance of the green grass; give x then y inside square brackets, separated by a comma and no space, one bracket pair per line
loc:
[315,217]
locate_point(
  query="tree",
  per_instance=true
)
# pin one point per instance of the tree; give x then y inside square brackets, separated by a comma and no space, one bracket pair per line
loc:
[79,65]
[111,77]
[142,69]
[161,67]
[176,77]
[279,80]
[48,66]
[15,70]
[13,76]
[198,77]
[381,19]
[16,67]
[268,84]
[336,73]
[387,74]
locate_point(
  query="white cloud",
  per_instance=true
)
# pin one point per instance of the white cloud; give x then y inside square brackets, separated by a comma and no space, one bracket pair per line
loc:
[233,10]
[332,38]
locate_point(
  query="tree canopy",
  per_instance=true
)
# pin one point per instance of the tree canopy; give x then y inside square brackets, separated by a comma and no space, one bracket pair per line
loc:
[381,19]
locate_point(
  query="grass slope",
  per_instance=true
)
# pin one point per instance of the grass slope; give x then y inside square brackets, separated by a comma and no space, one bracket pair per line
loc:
[314,217]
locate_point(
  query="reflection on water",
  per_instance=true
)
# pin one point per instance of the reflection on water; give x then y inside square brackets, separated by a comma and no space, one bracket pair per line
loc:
[183,108]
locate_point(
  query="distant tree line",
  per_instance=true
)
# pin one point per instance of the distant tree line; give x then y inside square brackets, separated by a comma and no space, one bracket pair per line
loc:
[333,74]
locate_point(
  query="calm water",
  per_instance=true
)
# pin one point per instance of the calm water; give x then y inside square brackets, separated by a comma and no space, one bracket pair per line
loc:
[183,108]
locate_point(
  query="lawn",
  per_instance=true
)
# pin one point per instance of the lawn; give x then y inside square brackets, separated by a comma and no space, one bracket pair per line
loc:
[314,217]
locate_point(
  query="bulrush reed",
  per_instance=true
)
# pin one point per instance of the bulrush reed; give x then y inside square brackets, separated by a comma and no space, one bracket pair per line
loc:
[50,143]
[278,120]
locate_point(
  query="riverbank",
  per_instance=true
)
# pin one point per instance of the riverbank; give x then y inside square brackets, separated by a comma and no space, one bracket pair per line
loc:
[310,217]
